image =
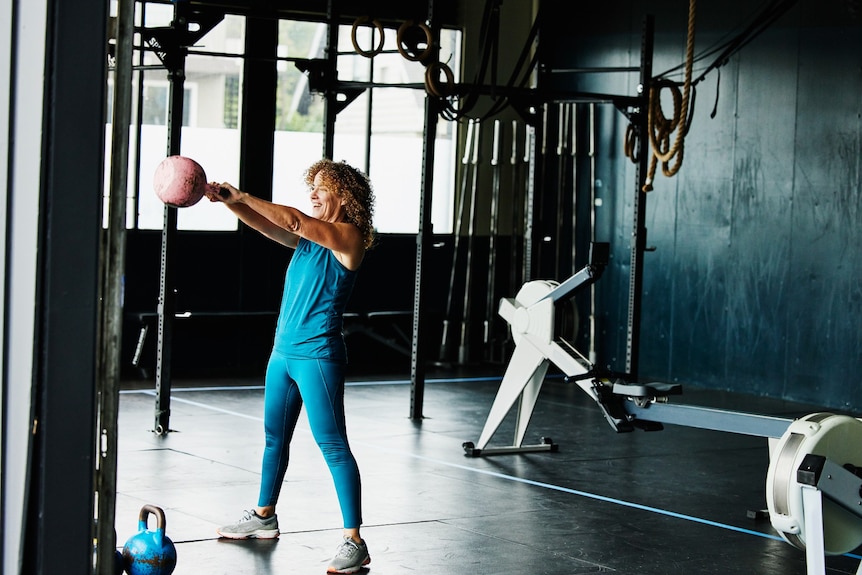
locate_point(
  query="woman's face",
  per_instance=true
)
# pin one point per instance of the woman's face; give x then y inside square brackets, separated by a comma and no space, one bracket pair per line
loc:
[326,204]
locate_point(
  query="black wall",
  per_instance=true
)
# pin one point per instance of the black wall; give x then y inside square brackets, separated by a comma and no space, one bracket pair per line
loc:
[231,284]
[755,283]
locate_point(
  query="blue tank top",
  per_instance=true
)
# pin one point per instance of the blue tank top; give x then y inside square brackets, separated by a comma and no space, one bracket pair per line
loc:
[316,289]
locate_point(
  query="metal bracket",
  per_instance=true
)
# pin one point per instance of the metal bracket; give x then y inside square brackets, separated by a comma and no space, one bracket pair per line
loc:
[322,79]
[189,26]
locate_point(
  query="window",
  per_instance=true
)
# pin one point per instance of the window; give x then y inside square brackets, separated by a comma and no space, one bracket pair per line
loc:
[381,132]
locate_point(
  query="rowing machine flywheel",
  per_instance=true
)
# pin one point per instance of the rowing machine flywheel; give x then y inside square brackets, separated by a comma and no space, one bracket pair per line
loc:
[839,439]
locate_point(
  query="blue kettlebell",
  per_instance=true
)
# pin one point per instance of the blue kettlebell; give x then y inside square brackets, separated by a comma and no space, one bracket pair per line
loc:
[150,552]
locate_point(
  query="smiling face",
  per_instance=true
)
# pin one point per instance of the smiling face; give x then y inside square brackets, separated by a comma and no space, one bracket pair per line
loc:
[326,204]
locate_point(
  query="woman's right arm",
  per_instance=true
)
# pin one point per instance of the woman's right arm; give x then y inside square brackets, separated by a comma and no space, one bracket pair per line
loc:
[250,217]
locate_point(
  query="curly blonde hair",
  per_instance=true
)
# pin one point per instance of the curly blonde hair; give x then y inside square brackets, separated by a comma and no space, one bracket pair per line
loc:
[354,187]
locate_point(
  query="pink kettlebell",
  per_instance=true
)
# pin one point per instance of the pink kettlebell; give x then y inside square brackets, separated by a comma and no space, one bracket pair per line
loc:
[179,181]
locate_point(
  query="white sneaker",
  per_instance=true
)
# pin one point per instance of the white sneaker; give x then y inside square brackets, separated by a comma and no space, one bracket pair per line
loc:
[251,526]
[350,557]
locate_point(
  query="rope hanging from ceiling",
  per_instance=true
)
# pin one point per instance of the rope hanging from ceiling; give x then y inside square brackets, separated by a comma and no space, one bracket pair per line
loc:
[661,128]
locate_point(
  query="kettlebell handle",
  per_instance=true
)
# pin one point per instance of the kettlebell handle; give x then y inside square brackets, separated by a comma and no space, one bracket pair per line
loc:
[157,511]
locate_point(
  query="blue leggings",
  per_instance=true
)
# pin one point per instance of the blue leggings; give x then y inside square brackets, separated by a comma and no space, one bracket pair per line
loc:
[319,384]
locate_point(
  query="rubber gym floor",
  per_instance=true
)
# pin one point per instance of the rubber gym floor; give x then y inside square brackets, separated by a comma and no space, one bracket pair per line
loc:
[677,501]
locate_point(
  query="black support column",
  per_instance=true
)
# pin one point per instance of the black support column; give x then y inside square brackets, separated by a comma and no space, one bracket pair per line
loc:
[259,86]
[59,516]
[424,239]
[639,232]
[175,61]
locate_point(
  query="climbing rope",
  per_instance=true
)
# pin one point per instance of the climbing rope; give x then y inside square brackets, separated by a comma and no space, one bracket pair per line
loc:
[661,129]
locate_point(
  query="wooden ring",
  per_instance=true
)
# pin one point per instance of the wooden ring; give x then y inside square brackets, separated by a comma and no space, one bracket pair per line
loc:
[429,40]
[432,80]
[379,48]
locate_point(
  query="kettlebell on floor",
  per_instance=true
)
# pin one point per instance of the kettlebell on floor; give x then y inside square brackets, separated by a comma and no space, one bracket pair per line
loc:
[150,552]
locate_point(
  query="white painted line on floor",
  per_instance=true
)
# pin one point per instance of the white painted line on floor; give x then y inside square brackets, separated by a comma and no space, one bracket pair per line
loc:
[205,406]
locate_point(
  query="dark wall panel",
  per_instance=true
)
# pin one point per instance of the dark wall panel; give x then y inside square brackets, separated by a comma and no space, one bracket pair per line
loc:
[754,284]
[826,303]
[762,190]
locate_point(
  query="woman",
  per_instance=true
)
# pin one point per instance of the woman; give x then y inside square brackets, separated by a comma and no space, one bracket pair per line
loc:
[308,359]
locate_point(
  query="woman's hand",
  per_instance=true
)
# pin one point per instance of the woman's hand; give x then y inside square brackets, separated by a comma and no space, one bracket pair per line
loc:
[222,192]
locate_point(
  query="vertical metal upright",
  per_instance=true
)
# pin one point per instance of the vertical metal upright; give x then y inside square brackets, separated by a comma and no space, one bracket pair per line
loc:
[529,203]
[424,240]
[113,268]
[330,102]
[175,62]
[490,307]
[639,232]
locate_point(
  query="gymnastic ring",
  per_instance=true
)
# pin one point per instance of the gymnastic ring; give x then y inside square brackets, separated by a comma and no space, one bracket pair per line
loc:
[630,144]
[432,80]
[379,48]
[429,40]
